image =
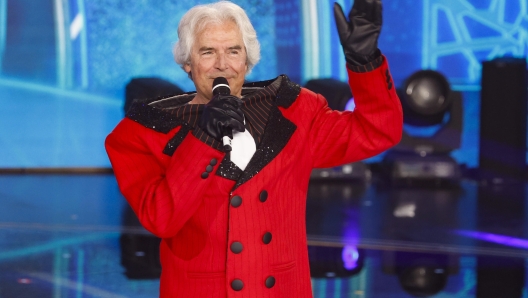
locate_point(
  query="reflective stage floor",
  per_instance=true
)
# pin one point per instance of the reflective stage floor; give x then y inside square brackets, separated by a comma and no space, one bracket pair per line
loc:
[74,236]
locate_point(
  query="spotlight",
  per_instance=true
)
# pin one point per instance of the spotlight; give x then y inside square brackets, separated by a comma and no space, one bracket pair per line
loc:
[335,262]
[426,98]
[350,256]
[420,274]
[339,97]
[433,116]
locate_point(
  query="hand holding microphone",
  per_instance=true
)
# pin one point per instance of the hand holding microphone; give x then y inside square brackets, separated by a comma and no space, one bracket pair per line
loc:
[222,114]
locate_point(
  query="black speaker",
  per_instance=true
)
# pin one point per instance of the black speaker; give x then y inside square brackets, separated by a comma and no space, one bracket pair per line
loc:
[503,111]
[505,275]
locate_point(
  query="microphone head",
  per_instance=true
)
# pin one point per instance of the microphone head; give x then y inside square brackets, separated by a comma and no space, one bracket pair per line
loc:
[221,86]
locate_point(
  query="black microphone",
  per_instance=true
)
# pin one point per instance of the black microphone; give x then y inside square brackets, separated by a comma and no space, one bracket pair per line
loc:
[221,87]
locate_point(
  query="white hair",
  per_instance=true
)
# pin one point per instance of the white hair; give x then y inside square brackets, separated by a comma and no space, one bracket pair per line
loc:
[198,17]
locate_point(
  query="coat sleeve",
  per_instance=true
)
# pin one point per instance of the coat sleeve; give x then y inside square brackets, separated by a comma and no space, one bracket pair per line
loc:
[375,124]
[163,194]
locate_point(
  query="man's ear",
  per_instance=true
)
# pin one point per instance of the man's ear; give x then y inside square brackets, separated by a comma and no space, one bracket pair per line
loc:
[187,69]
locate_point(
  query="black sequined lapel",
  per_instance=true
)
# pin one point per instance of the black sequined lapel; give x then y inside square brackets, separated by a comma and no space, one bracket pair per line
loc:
[153,117]
[176,140]
[287,93]
[276,135]
[228,169]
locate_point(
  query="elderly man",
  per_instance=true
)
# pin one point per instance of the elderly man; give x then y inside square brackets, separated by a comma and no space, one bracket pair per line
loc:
[232,223]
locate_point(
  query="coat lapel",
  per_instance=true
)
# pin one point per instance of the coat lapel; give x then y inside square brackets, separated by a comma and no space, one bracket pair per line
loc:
[277,133]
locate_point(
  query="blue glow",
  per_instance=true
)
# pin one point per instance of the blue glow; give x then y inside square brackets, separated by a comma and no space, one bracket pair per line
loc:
[351,105]
[3,26]
[83,46]
[52,245]
[80,273]
[61,44]
[476,35]
[495,238]
[421,131]
[425,131]
[350,256]
[322,52]
[61,93]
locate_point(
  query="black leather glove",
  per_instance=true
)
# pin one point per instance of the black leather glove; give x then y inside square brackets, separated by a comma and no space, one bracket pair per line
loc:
[359,35]
[221,115]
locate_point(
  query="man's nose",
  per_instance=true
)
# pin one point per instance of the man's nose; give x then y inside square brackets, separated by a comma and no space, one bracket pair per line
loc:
[221,61]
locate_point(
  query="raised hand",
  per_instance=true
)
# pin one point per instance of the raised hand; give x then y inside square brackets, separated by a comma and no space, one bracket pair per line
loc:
[359,34]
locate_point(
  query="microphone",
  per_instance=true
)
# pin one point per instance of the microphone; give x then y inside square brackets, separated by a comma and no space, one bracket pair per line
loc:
[221,87]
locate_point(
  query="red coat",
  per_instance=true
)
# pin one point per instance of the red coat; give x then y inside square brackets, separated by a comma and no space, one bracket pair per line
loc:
[219,234]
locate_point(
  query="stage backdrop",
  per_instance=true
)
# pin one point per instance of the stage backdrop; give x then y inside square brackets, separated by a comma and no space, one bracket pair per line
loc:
[64,63]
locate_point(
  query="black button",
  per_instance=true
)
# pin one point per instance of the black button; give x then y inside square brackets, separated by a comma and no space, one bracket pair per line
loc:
[213,162]
[236,247]
[236,201]
[205,175]
[237,285]
[209,168]
[263,196]
[270,282]
[267,238]
[390,85]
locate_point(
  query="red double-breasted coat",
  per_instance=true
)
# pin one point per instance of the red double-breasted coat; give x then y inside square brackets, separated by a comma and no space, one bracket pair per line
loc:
[245,238]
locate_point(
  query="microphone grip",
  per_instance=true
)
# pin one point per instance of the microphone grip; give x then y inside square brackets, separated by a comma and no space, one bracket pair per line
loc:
[221,87]
[227,138]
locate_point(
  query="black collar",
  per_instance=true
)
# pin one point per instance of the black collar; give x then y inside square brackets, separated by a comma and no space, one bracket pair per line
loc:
[152,112]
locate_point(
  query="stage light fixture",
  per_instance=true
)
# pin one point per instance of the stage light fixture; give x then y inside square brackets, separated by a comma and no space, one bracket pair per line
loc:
[426,98]
[429,105]
[340,98]
[420,274]
[335,262]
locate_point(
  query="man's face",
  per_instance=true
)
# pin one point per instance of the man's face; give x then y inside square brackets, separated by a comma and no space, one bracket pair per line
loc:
[218,51]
